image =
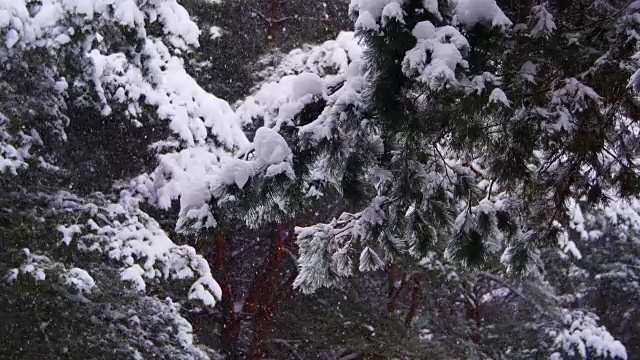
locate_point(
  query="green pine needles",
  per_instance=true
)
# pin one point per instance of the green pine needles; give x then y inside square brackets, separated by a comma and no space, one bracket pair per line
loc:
[487,132]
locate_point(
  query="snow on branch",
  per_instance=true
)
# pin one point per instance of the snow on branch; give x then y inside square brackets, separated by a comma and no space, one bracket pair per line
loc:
[123,233]
[326,250]
[585,339]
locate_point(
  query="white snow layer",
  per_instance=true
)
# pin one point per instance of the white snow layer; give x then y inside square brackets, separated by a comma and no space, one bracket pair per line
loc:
[446,45]
[585,339]
[371,11]
[393,11]
[192,112]
[487,12]
[40,27]
[544,24]
[130,237]
[498,96]
[424,30]
[302,77]
[375,13]
[270,147]
[80,279]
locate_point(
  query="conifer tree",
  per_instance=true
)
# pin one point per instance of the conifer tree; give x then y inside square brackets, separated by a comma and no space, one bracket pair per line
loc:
[485,133]
[459,124]
[92,92]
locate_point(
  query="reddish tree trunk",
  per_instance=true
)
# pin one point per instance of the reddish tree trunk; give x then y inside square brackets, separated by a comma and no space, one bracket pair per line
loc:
[262,321]
[477,317]
[265,316]
[262,295]
[261,284]
[230,321]
[416,296]
[394,291]
[274,24]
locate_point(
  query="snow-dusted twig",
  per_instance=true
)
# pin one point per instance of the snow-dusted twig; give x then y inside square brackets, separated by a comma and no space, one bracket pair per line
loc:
[502,282]
[269,20]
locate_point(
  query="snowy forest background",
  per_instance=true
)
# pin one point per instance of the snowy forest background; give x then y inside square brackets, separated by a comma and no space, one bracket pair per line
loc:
[338,179]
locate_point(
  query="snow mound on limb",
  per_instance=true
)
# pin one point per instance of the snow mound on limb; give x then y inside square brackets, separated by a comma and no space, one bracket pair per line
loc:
[270,147]
[126,235]
[486,12]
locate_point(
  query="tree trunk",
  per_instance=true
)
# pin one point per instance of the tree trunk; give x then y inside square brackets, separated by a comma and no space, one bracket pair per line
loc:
[395,275]
[416,297]
[275,10]
[262,297]
[230,320]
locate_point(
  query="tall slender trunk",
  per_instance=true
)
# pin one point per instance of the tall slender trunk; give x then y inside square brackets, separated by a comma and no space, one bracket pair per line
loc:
[477,317]
[416,297]
[275,10]
[394,289]
[262,282]
[475,314]
[262,297]
[230,320]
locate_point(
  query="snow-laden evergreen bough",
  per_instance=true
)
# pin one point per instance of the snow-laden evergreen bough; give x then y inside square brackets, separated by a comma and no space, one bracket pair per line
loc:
[278,176]
[450,123]
[487,136]
[601,282]
[102,82]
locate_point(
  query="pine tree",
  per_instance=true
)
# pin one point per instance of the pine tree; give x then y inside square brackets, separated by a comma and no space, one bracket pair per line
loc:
[447,129]
[451,140]
[486,134]
[232,203]
[602,277]
[459,130]
[92,93]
